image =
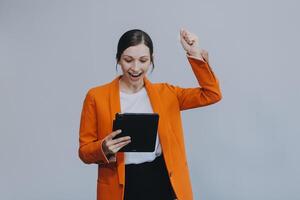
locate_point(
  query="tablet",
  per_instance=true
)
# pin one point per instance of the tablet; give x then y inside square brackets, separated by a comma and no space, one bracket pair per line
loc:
[141,127]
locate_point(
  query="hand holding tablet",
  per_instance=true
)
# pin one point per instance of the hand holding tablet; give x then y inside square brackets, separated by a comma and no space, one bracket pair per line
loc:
[111,146]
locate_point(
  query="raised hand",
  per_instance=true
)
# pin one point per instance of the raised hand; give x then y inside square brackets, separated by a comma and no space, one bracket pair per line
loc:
[190,43]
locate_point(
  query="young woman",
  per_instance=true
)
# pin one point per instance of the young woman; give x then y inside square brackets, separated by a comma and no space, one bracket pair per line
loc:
[162,174]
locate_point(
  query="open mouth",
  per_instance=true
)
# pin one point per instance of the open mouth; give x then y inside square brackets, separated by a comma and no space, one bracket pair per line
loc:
[135,75]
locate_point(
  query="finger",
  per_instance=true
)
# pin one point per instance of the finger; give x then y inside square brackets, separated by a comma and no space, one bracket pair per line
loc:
[191,36]
[184,42]
[192,41]
[115,148]
[183,32]
[189,39]
[184,37]
[121,147]
[118,140]
[187,34]
[113,134]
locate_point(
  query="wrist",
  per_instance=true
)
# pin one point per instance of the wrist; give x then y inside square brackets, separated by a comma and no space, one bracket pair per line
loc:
[104,149]
[195,53]
[195,56]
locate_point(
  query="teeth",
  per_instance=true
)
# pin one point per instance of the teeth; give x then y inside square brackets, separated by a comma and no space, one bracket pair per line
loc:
[135,75]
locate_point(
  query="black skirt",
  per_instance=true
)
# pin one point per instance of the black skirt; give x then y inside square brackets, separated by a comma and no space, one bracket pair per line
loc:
[147,181]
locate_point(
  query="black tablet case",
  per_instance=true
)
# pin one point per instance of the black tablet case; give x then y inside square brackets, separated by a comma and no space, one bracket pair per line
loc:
[141,127]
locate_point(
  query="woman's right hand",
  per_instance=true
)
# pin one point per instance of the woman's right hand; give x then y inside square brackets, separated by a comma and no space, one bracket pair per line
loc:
[111,146]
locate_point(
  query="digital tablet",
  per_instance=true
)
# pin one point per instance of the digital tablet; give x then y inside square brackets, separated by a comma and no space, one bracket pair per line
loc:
[141,127]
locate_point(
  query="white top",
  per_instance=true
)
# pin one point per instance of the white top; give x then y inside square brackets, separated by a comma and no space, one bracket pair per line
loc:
[138,103]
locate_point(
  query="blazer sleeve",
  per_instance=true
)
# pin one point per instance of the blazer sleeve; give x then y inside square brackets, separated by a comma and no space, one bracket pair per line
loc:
[208,91]
[90,147]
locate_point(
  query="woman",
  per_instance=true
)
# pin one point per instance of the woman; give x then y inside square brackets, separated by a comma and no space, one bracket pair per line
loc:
[162,174]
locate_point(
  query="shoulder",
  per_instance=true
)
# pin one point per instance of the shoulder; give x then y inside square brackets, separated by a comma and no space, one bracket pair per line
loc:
[165,87]
[99,90]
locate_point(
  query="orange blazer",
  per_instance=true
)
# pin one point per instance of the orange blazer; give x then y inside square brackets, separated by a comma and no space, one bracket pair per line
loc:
[99,108]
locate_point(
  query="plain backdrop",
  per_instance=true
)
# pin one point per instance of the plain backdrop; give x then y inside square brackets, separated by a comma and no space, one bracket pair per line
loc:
[243,148]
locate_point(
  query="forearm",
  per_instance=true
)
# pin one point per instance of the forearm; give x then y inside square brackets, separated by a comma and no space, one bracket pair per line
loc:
[93,153]
[206,78]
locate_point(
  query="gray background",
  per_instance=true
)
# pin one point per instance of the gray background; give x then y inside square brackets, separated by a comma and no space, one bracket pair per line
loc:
[243,148]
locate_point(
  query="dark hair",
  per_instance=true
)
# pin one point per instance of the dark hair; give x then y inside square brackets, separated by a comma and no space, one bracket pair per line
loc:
[132,38]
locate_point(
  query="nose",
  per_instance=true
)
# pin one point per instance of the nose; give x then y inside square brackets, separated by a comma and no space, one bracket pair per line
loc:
[135,66]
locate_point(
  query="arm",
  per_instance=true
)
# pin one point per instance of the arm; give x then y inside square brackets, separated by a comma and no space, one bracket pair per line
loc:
[90,147]
[209,91]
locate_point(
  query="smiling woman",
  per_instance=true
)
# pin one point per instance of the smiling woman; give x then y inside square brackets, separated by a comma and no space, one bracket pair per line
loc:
[135,63]
[135,54]
[162,174]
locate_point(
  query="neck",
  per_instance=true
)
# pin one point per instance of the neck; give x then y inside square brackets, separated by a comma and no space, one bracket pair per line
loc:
[127,87]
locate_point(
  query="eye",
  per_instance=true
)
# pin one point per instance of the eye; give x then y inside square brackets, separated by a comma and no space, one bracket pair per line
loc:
[144,60]
[128,60]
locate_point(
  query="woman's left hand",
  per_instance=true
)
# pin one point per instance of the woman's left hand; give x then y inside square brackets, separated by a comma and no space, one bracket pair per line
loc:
[190,44]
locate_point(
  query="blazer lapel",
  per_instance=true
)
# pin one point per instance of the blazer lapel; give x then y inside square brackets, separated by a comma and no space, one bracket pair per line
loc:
[163,124]
[115,107]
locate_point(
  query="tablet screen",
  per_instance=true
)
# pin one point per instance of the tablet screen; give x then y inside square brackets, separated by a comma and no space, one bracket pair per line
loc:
[141,127]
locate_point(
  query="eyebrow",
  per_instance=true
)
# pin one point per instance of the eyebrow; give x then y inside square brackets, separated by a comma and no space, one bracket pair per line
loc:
[140,57]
